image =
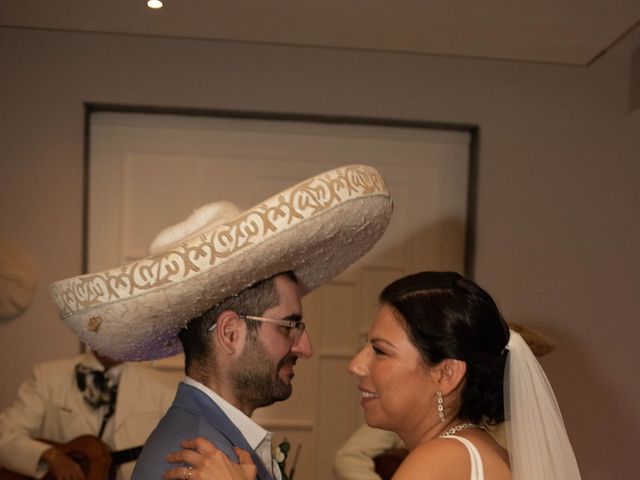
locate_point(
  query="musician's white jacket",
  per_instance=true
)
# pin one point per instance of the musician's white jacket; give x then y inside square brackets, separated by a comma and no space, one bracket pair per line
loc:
[50,406]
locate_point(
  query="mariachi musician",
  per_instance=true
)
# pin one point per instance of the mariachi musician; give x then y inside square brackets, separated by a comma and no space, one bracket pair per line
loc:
[67,405]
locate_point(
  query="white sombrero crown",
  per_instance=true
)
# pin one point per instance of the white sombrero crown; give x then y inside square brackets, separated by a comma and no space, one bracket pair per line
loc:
[316,229]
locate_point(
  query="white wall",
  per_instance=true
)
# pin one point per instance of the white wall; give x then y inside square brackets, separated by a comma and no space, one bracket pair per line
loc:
[558,224]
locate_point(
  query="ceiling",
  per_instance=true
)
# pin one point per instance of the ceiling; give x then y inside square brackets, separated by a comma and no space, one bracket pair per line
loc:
[573,32]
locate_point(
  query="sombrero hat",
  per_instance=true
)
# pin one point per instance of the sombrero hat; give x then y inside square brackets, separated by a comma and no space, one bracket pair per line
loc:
[316,229]
[18,279]
[539,344]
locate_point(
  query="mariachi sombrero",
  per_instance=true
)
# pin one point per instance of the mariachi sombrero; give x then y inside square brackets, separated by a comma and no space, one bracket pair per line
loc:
[316,228]
[18,279]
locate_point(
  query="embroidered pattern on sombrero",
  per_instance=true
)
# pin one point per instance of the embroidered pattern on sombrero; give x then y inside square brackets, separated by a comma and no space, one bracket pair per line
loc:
[302,201]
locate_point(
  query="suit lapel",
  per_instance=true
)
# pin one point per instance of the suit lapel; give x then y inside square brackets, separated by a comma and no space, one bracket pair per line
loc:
[125,406]
[85,412]
[195,401]
[128,401]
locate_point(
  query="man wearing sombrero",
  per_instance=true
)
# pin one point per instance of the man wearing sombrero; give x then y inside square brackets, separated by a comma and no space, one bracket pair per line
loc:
[225,285]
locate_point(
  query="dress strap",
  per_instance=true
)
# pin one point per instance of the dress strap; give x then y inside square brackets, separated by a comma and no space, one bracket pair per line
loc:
[477,470]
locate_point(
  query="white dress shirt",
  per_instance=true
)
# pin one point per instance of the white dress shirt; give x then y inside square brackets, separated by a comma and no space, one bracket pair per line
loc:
[257,437]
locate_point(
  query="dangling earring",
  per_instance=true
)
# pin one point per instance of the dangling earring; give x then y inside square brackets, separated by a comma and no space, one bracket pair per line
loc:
[440,407]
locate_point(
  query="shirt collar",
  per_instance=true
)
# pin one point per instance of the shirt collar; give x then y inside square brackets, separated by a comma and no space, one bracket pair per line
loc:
[252,432]
[90,360]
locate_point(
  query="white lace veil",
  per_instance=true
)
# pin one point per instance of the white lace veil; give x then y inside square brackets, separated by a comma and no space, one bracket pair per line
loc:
[539,447]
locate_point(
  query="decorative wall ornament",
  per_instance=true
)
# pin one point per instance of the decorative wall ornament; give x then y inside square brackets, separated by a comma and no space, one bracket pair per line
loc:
[18,280]
[538,343]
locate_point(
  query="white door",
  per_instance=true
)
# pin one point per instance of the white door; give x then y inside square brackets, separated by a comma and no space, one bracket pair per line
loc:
[150,171]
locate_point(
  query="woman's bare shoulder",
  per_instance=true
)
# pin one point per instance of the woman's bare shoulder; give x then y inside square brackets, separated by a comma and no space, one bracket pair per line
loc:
[438,458]
[449,459]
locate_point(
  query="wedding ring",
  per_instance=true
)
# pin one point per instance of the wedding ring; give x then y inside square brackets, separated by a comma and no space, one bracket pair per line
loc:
[187,474]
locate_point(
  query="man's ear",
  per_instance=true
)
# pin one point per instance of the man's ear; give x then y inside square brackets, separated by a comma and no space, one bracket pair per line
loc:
[229,331]
[449,374]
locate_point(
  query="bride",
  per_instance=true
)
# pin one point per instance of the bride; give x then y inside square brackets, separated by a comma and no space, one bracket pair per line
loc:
[440,367]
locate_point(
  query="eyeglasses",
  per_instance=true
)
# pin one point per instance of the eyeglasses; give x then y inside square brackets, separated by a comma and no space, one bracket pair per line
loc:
[296,327]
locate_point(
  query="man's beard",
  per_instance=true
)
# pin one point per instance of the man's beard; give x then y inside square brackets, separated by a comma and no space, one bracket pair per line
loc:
[255,379]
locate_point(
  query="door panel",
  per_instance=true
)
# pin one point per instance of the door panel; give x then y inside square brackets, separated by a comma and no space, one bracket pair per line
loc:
[150,171]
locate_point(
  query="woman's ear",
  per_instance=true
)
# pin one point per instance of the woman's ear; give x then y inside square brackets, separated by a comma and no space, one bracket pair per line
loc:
[228,331]
[449,374]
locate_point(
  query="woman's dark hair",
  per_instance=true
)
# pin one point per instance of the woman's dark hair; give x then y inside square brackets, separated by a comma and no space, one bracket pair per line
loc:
[448,316]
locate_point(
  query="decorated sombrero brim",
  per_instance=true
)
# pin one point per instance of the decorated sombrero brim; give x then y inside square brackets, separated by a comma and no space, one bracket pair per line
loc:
[316,229]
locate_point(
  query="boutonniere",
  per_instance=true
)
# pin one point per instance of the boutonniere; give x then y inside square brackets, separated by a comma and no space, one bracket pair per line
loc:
[280,453]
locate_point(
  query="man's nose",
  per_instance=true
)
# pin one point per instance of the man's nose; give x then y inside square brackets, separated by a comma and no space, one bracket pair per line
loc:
[302,347]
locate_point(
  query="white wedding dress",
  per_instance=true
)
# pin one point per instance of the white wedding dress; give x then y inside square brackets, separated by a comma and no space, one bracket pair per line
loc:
[477,471]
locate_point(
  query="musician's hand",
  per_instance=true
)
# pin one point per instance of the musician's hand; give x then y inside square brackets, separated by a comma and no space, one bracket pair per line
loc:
[61,466]
[208,463]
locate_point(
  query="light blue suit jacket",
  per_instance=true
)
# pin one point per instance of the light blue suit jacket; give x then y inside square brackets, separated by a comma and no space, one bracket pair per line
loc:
[192,414]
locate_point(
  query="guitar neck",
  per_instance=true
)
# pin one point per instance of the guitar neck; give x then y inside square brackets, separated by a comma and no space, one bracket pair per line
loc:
[124,456]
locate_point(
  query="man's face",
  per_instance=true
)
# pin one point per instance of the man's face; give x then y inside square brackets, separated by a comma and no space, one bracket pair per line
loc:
[264,371]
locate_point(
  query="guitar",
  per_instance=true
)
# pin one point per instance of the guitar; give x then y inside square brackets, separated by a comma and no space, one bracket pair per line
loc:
[97,461]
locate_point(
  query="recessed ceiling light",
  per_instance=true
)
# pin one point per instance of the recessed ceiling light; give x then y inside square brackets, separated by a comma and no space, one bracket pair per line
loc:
[154,4]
